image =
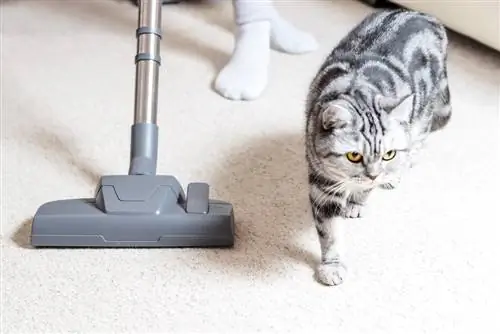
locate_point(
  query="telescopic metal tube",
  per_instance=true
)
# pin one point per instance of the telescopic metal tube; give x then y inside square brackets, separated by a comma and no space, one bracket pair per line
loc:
[144,144]
[147,61]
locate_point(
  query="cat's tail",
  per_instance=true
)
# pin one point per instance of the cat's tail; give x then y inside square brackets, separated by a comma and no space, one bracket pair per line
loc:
[442,109]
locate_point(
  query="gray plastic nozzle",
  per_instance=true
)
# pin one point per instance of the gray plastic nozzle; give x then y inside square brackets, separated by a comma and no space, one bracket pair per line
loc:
[144,149]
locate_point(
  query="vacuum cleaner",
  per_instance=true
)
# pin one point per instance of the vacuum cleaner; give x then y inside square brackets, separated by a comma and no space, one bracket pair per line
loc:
[141,208]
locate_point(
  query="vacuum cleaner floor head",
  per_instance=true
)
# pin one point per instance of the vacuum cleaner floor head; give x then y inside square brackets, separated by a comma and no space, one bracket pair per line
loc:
[136,211]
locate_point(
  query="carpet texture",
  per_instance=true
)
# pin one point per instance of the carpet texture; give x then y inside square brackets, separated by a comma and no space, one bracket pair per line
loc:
[424,260]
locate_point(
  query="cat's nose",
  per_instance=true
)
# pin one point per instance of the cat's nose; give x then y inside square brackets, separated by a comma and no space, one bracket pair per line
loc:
[372,176]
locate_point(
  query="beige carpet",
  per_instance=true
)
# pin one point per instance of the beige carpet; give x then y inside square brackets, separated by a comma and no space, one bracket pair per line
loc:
[424,260]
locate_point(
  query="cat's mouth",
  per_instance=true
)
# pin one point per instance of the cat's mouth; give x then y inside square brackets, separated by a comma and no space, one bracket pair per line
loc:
[363,183]
[353,183]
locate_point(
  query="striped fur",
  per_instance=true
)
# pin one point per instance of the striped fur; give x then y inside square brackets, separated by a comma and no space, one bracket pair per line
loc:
[383,88]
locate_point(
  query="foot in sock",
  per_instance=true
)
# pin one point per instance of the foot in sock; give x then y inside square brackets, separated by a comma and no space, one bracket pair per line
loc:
[287,38]
[245,75]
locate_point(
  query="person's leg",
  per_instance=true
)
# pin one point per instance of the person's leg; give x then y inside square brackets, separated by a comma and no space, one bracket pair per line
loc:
[259,27]
[285,37]
[244,77]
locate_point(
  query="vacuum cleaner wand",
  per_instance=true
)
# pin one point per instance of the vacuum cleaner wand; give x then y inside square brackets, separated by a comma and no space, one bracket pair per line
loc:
[144,146]
[140,209]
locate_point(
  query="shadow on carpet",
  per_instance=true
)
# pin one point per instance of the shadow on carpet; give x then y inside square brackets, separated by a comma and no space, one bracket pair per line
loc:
[22,235]
[266,181]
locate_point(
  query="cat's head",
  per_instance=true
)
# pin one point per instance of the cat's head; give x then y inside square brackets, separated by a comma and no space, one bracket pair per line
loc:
[361,144]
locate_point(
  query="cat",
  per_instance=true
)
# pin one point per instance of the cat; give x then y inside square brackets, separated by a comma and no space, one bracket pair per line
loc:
[369,109]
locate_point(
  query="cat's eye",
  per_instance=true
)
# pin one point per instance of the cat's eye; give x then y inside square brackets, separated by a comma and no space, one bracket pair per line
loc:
[389,155]
[354,157]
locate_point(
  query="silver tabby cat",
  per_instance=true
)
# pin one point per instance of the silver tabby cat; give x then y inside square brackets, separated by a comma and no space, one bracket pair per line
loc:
[374,101]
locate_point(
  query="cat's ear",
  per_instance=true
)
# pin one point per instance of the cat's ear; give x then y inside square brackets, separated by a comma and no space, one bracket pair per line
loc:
[335,115]
[399,109]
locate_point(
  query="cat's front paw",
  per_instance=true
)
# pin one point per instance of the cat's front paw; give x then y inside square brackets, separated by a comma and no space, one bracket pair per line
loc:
[331,273]
[353,210]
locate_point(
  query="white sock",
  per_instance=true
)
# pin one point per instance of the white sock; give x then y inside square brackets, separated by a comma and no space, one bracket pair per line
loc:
[245,75]
[287,38]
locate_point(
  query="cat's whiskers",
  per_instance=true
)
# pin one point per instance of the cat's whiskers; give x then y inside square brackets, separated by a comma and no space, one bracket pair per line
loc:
[324,195]
[341,187]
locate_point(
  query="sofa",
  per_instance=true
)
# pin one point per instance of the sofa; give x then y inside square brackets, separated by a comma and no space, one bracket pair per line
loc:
[476,19]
